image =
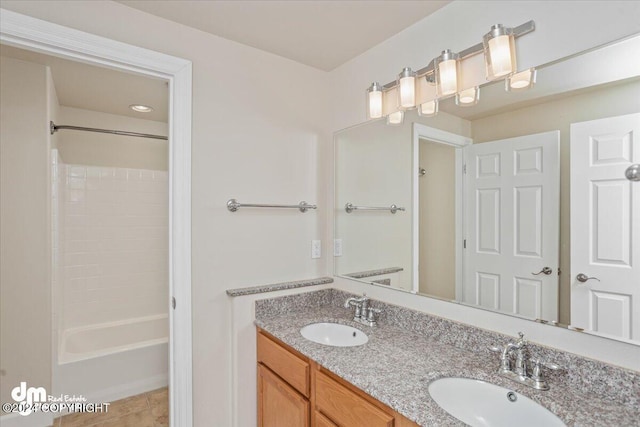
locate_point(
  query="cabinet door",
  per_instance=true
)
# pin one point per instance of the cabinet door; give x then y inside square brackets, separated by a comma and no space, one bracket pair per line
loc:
[278,403]
[322,421]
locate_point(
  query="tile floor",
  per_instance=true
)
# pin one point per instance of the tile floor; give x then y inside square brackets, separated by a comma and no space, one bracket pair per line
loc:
[143,410]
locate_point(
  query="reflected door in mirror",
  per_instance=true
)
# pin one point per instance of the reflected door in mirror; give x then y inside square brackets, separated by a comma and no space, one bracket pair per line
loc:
[512,214]
[605,234]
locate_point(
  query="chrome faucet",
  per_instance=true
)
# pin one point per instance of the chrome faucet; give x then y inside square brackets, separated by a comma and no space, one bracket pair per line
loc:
[358,303]
[520,372]
[521,360]
[362,313]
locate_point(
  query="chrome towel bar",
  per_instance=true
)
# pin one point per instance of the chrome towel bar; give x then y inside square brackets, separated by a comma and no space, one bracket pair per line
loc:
[233,205]
[349,207]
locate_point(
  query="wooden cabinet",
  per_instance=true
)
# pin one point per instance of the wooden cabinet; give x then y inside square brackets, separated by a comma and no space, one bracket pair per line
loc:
[292,368]
[278,403]
[294,391]
[346,407]
[284,385]
[322,421]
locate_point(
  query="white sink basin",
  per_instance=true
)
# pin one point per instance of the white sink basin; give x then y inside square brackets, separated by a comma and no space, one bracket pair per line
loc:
[479,403]
[334,334]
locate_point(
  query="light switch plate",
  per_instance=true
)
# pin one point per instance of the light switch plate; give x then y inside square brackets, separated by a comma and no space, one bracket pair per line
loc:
[337,247]
[316,249]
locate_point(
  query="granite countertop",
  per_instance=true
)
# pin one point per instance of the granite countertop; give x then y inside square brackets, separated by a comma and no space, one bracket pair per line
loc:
[373,273]
[272,287]
[396,367]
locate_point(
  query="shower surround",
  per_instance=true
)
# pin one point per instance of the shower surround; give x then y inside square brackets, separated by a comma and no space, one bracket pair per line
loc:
[110,288]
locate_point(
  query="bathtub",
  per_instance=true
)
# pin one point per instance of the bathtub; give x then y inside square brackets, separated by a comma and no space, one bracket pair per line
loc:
[111,361]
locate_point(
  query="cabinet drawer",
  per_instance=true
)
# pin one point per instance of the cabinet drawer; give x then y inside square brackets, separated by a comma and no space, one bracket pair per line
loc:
[345,407]
[287,365]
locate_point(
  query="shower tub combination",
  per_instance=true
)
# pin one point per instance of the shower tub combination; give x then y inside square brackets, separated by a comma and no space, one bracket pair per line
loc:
[110,281]
[110,361]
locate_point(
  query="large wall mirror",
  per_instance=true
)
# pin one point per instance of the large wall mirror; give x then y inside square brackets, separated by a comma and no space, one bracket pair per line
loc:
[520,204]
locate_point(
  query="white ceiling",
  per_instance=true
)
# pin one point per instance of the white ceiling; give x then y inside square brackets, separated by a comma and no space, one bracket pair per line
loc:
[322,34]
[94,88]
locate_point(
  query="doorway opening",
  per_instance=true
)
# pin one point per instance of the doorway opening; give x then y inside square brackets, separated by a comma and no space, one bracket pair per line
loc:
[25,32]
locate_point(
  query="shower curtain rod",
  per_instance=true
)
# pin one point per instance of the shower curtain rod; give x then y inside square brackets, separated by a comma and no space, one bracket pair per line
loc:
[54,128]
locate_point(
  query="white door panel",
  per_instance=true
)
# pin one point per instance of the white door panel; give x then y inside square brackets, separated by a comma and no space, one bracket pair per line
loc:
[488,290]
[527,296]
[488,221]
[605,221]
[512,225]
[528,218]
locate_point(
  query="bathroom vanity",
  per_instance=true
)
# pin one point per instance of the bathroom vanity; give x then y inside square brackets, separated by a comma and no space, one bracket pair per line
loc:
[294,390]
[385,382]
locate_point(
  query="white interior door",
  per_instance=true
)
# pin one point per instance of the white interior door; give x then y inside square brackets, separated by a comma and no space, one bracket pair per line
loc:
[605,227]
[512,212]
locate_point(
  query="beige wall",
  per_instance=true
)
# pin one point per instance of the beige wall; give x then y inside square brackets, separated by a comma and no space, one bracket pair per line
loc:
[53,112]
[437,220]
[558,114]
[25,254]
[98,149]
[373,167]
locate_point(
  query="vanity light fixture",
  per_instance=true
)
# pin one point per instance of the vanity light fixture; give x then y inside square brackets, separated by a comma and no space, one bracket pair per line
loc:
[499,52]
[447,68]
[141,108]
[521,81]
[395,118]
[444,76]
[406,88]
[468,97]
[374,101]
[428,109]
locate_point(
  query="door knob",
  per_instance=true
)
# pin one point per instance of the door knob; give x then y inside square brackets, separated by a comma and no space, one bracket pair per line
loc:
[583,278]
[547,271]
[633,172]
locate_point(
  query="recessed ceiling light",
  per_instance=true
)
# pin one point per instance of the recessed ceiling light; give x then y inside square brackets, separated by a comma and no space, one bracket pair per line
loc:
[141,108]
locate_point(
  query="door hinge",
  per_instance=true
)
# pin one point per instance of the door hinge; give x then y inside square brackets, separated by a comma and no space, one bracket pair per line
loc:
[464,243]
[173,302]
[464,168]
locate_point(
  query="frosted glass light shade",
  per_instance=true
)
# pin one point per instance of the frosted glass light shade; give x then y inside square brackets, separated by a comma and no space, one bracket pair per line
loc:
[428,109]
[395,118]
[499,52]
[447,73]
[407,88]
[468,97]
[374,101]
[521,81]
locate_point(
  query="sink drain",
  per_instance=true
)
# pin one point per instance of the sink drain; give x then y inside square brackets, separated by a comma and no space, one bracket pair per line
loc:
[512,397]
